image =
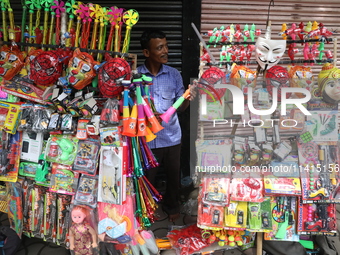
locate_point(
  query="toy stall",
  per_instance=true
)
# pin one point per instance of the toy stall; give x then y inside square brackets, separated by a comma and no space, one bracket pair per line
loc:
[75,120]
[268,134]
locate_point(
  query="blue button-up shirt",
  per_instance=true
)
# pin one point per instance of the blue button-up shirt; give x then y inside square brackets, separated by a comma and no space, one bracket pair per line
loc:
[166,89]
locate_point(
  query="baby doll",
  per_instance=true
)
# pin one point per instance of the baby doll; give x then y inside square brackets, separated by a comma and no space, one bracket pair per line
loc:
[329,83]
[83,238]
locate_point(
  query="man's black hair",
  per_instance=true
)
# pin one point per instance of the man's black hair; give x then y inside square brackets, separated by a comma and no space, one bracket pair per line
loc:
[148,35]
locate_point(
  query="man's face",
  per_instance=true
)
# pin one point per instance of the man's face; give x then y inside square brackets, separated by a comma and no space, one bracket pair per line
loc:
[158,51]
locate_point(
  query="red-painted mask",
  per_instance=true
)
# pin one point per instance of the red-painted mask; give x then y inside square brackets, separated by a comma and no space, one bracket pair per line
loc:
[111,74]
[277,77]
[210,77]
[11,61]
[46,68]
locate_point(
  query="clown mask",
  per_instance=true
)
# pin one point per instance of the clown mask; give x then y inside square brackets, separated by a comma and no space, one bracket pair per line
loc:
[80,70]
[269,52]
[329,83]
[11,61]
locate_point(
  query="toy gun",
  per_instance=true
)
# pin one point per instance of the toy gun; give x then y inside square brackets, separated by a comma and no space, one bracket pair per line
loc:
[66,147]
[292,51]
[42,169]
[323,219]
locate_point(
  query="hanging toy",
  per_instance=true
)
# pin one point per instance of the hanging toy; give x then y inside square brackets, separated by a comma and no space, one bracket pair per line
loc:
[83,12]
[70,9]
[12,61]
[269,52]
[292,51]
[209,78]
[81,69]
[130,18]
[115,14]
[37,31]
[31,5]
[300,77]
[46,4]
[277,77]
[242,77]
[329,83]
[46,68]
[58,8]
[78,13]
[31,55]
[102,16]
[95,14]
[111,74]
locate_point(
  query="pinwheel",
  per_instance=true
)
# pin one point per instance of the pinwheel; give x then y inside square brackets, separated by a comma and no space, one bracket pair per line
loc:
[31,6]
[70,9]
[102,32]
[23,24]
[37,22]
[115,14]
[58,8]
[101,15]
[47,5]
[95,13]
[130,18]
[4,6]
[77,13]
[84,14]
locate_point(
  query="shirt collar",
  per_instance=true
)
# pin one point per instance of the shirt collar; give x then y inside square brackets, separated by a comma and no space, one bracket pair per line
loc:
[145,70]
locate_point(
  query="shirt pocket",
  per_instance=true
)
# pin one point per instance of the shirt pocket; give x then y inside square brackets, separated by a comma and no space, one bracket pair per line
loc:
[167,100]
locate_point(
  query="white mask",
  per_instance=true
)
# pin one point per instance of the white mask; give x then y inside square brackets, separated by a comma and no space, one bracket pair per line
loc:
[269,52]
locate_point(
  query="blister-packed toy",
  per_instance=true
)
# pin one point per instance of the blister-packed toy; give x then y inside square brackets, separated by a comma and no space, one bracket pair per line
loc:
[86,160]
[26,120]
[10,149]
[27,187]
[63,179]
[215,189]
[282,178]
[63,219]
[38,204]
[323,125]
[112,181]
[284,219]
[9,117]
[50,210]
[14,202]
[235,215]
[61,149]
[87,191]
[116,221]
[317,219]
[239,151]
[41,118]
[210,216]
[110,136]
[319,177]
[259,216]
[247,187]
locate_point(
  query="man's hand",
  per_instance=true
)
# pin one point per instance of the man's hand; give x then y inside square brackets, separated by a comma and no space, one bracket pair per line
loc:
[193,91]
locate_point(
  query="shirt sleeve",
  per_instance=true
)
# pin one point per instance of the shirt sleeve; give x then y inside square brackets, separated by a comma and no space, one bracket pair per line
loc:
[179,90]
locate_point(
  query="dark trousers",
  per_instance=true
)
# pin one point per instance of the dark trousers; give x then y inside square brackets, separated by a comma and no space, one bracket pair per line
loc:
[169,159]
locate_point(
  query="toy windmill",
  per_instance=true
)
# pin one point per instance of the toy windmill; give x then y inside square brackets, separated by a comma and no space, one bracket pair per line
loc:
[130,18]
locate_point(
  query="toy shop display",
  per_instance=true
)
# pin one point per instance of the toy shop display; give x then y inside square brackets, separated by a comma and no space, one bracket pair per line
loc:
[76,119]
[283,174]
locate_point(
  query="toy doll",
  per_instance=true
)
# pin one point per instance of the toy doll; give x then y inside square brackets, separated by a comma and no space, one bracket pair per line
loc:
[83,238]
[329,83]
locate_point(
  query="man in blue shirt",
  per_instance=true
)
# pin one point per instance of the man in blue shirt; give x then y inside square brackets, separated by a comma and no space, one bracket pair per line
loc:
[166,89]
